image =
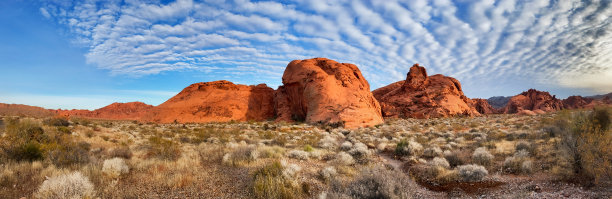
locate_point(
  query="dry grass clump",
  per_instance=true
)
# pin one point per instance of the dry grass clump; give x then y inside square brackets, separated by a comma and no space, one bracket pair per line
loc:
[472,173]
[270,182]
[241,154]
[432,152]
[271,151]
[408,148]
[120,152]
[518,163]
[298,154]
[115,167]
[377,182]
[73,185]
[163,148]
[482,157]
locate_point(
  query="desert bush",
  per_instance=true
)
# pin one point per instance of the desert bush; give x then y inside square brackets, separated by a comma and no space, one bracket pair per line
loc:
[406,148]
[440,162]
[120,152]
[80,121]
[482,157]
[344,159]
[26,140]
[56,121]
[73,185]
[163,148]
[432,152]
[453,158]
[346,145]
[298,154]
[327,173]
[527,167]
[115,167]
[360,153]
[472,173]
[328,143]
[269,182]
[585,146]
[513,164]
[524,145]
[377,182]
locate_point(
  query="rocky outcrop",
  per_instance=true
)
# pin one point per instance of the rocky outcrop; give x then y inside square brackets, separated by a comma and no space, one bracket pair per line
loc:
[533,100]
[320,90]
[574,102]
[218,101]
[24,110]
[483,106]
[114,111]
[422,96]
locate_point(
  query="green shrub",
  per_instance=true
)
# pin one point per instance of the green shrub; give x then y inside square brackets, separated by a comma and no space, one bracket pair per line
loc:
[406,148]
[585,145]
[308,148]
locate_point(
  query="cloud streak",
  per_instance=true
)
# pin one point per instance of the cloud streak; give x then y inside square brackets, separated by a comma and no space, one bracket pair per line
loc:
[485,44]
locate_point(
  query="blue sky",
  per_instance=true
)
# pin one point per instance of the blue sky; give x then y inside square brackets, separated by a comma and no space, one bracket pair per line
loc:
[87,54]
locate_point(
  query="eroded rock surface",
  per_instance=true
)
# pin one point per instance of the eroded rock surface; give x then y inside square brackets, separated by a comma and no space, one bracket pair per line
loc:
[533,100]
[422,96]
[320,90]
[218,101]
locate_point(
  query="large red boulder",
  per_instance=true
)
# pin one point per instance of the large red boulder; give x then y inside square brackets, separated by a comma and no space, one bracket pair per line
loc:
[218,101]
[533,100]
[320,90]
[422,96]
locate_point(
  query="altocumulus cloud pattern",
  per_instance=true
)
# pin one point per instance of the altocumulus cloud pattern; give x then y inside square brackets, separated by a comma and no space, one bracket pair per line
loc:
[557,42]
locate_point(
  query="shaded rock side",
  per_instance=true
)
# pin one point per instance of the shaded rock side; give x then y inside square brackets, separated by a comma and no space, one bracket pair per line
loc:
[114,111]
[533,100]
[320,90]
[218,101]
[483,106]
[422,96]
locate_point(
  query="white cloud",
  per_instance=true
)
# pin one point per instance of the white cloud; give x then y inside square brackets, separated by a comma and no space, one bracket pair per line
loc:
[45,13]
[484,42]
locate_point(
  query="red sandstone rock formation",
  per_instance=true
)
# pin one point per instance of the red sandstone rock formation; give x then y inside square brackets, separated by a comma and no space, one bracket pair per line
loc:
[533,100]
[320,90]
[24,110]
[483,106]
[114,111]
[422,96]
[574,102]
[218,101]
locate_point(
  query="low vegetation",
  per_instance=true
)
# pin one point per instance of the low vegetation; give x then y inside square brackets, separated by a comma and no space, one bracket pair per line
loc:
[547,155]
